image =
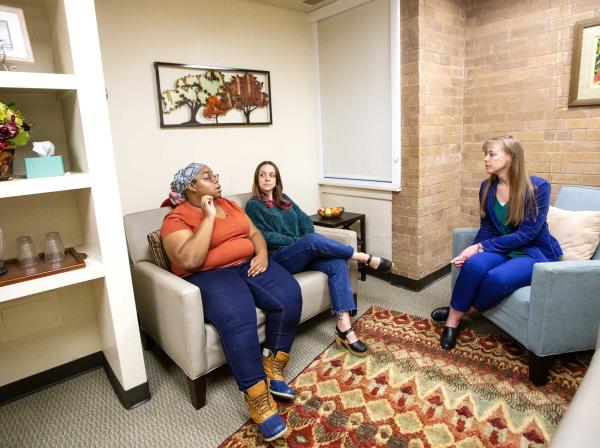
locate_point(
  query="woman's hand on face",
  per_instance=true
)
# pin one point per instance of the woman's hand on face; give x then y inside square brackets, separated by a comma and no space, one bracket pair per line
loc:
[208,206]
[258,265]
[465,255]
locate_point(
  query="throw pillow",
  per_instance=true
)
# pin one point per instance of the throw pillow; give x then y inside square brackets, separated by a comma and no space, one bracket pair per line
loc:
[577,232]
[158,253]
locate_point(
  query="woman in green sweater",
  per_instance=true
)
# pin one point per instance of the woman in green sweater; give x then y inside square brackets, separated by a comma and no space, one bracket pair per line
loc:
[293,243]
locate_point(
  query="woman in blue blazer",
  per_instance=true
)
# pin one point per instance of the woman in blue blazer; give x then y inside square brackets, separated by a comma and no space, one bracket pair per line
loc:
[513,236]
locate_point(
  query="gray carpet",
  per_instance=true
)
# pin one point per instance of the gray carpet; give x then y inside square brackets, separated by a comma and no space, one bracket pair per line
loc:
[84,411]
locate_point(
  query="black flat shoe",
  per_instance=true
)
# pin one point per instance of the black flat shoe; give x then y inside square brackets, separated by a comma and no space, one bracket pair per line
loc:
[440,314]
[385,265]
[358,348]
[448,339]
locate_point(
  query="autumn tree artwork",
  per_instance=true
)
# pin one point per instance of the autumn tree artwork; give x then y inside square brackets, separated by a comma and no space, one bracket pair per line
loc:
[596,81]
[202,96]
[245,94]
[193,92]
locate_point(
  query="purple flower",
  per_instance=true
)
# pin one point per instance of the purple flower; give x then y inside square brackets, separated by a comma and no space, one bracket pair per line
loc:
[9,129]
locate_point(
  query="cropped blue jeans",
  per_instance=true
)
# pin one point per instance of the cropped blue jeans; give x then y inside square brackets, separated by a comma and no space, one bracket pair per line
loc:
[314,252]
[229,298]
[486,278]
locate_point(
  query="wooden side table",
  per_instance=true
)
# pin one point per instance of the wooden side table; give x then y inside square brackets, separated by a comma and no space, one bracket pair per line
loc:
[344,221]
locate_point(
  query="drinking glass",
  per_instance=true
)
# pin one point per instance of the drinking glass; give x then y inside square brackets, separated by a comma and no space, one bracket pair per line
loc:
[55,251]
[28,257]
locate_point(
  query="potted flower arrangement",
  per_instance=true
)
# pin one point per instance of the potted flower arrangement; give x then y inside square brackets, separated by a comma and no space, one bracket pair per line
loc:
[13,132]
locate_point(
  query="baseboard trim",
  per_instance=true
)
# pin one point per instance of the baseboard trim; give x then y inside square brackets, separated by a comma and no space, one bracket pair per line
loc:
[422,283]
[131,398]
[26,386]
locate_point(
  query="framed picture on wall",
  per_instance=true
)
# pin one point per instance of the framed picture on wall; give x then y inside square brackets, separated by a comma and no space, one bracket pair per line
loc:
[585,69]
[14,39]
[191,95]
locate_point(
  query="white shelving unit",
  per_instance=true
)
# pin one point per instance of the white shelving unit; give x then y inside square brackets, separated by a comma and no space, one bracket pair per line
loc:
[37,82]
[84,314]
[25,187]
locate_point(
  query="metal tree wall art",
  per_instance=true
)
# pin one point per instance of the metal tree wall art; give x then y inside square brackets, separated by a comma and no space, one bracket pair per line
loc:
[244,92]
[215,107]
[193,92]
[190,95]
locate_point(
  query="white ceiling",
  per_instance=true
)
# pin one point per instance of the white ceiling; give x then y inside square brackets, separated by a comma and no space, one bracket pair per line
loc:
[297,5]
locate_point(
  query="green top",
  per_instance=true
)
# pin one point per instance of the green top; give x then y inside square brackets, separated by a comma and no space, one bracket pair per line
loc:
[500,212]
[279,227]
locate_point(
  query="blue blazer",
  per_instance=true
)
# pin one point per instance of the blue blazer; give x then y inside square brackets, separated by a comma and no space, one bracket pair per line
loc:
[531,236]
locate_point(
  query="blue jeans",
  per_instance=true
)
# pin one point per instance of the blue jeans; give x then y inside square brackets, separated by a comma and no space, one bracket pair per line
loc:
[230,296]
[486,278]
[314,252]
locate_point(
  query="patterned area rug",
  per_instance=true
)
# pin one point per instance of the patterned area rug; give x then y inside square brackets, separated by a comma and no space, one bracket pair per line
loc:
[410,393]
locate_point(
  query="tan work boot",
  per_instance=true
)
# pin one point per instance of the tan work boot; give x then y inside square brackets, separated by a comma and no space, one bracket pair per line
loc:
[274,365]
[264,412]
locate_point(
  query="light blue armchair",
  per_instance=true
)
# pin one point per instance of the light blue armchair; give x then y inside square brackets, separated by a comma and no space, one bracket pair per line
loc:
[560,311]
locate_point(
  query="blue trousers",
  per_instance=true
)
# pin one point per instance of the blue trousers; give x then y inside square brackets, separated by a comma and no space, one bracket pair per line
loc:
[230,296]
[314,252]
[486,278]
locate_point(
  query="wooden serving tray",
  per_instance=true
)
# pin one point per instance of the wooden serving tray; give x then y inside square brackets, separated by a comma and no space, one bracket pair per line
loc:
[16,274]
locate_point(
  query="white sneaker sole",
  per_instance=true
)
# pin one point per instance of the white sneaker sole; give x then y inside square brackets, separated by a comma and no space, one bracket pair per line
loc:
[282,395]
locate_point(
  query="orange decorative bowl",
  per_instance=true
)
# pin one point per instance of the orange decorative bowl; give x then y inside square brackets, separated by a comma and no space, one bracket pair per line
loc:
[330,212]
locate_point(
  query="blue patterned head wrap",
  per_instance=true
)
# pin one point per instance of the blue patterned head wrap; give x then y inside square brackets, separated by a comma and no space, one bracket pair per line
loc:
[181,180]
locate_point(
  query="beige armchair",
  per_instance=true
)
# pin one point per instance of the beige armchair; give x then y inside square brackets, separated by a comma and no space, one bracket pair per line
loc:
[170,308]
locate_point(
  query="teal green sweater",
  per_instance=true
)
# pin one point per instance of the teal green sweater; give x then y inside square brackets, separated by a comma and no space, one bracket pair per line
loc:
[279,227]
[501,211]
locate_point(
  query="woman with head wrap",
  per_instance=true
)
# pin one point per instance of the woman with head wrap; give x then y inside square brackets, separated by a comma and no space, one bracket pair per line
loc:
[212,243]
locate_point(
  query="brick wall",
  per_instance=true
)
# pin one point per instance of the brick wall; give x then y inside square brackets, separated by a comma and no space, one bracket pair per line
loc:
[433,34]
[517,67]
[472,70]
[404,204]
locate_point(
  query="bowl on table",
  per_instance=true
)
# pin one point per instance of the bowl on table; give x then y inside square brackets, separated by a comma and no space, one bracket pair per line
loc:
[330,212]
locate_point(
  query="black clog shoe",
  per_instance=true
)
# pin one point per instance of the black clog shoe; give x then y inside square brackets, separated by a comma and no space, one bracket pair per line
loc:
[448,338]
[358,348]
[384,267]
[440,314]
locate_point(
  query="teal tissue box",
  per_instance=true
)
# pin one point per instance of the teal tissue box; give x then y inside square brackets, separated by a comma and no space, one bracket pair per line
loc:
[44,166]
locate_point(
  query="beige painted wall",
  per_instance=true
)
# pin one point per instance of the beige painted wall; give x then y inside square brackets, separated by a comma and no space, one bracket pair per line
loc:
[232,33]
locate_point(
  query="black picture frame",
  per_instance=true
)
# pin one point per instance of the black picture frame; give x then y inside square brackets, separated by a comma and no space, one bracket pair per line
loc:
[201,96]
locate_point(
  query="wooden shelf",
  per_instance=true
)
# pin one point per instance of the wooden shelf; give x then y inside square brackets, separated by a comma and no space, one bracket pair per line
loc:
[23,187]
[16,274]
[37,82]
[93,269]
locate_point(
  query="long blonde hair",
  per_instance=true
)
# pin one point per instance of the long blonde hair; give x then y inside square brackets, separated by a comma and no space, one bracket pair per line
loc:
[521,204]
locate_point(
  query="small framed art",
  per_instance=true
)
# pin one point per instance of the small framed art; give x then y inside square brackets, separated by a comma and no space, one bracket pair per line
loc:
[14,39]
[191,95]
[585,68]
